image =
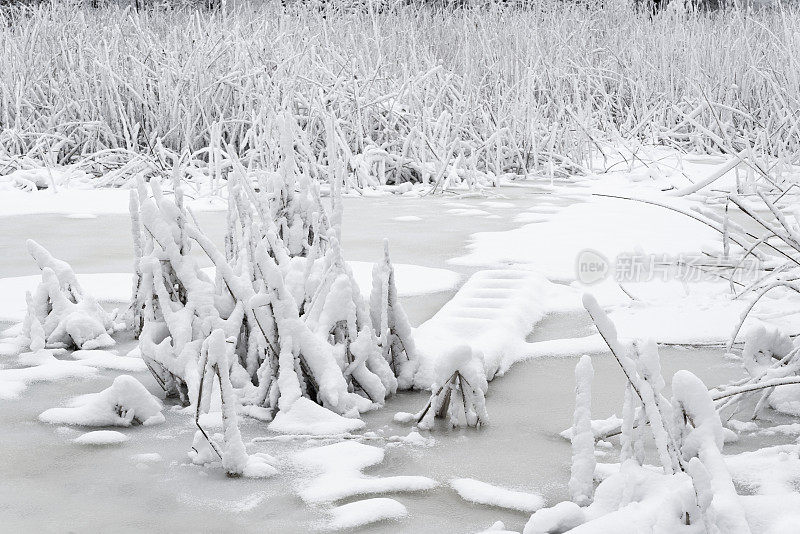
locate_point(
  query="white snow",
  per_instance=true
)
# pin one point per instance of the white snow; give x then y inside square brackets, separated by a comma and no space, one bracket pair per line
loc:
[103,359]
[493,312]
[360,513]
[124,402]
[479,492]
[335,473]
[457,395]
[147,458]
[601,224]
[308,417]
[101,437]
[15,381]
[105,287]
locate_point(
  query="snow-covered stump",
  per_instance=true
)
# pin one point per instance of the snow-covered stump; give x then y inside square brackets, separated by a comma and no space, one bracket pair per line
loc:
[581,481]
[69,317]
[458,394]
[391,323]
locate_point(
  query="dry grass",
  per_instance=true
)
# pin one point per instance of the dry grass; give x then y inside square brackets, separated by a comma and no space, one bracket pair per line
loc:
[414,93]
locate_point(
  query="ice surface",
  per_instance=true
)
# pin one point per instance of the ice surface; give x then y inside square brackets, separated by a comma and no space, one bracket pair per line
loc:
[529,405]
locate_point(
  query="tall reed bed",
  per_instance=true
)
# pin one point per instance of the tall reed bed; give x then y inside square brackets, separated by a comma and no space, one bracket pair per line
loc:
[411,93]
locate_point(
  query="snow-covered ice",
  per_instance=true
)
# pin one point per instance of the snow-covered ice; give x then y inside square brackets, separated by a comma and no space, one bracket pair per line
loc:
[101,437]
[308,417]
[336,473]
[482,493]
[360,513]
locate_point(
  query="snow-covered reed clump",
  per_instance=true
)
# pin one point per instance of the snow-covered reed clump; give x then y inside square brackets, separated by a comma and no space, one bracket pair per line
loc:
[280,328]
[672,475]
[449,98]
[693,490]
[60,313]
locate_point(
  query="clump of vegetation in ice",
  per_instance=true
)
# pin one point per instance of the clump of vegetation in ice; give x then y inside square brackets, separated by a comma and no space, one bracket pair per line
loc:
[457,396]
[694,488]
[62,311]
[126,402]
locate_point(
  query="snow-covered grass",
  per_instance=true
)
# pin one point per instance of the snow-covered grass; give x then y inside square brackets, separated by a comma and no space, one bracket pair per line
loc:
[411,93]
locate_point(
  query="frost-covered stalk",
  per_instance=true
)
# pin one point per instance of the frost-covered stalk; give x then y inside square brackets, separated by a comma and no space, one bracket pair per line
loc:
[458,393]
[645,380]
[581,481]
[214,362]
[181,304]
[631,437]
[137,306]
[294,198]
[700,435]
[657,408]
[282,290]
[338,313]
[391,323]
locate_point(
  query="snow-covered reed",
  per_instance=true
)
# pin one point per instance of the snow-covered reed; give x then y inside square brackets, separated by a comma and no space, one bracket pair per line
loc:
[404,94]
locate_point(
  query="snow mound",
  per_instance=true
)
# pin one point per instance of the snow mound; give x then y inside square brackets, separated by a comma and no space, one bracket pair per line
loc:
[308,417]
[479,492]
[360,513]
[562,517]
[336,473]
[493,313]
[497,527]
[124,403]
[101,437]
[258,466]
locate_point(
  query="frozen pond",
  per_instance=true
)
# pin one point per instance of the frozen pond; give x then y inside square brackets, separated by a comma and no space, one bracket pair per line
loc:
[51,484]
